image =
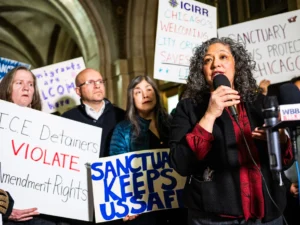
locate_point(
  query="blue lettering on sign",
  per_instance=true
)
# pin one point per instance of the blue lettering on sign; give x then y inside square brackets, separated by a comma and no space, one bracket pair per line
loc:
[60,90]
[152,175]
[95,168]
[124,174]
[5,68]
[138,184]
[173,183]
[8,64]
[108,190]
[58,104]
[160,161]
[50,92]
[193,8]
[123,185]
[291,111]
[154,199]
[114,213]
[142,204]
[58,70]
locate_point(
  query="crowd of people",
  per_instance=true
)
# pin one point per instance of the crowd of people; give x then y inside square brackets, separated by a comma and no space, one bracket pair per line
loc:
[224,157]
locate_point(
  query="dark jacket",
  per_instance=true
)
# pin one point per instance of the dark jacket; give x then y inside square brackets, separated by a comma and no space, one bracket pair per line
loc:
[221,195]
[123,141]
[107,121]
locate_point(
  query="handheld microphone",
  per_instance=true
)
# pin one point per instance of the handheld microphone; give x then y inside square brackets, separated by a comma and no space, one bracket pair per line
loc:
[290,94]
[221,79]
[270,113]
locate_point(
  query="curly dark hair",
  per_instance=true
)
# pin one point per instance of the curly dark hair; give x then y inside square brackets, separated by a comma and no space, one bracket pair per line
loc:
[244,81]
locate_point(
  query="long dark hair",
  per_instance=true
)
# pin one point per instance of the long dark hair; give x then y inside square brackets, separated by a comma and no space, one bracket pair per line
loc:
[244,81]
[7,83]
[161,116]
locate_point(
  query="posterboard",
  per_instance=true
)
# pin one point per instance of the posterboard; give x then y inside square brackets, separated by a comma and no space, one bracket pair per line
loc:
[8,64]
[181,26]
[43,159]
[135,183]
[273,42]
[56,84]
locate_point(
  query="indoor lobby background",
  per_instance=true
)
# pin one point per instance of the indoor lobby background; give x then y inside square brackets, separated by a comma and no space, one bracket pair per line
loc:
[116,37]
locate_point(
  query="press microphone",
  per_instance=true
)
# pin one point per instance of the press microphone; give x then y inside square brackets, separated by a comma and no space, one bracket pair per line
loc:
[290,94]
[221,79]
[270,113]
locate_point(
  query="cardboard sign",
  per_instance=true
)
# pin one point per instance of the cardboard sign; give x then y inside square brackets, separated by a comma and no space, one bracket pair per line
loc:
[274,43]
[43,159]
[56,84]
[181,26]
[135,183]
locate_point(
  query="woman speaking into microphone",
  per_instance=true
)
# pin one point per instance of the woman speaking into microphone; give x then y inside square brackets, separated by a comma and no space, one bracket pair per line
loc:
[225,159]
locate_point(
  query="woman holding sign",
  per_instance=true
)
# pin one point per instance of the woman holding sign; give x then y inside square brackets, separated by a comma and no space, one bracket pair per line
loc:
[220,150]
[19,86]
[146,127]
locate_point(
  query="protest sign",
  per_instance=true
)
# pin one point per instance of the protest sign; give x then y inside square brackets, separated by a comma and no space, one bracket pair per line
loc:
[273,42]
[135,183]
[43,159]
[181,26]
[56,84]
[8,64]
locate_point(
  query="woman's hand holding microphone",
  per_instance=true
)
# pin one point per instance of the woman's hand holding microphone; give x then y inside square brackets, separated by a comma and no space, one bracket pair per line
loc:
[221,98]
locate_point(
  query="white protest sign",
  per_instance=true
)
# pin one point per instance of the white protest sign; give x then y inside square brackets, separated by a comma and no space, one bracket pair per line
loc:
[43,159]
[274,43]
[135,183]
[181,26]
[56,84]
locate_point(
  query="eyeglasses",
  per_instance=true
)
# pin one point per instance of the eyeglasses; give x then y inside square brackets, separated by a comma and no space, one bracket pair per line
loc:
[94,82]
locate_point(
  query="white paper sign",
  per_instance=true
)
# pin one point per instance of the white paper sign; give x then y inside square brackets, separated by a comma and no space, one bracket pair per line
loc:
[274,43]
[181,26]
[43,159]
[135,183]
[56,84]
[289,112]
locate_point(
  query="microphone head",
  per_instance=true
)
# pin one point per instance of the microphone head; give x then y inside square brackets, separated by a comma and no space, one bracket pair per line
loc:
[289,94]
[220,79]
[270,102]
[270,107]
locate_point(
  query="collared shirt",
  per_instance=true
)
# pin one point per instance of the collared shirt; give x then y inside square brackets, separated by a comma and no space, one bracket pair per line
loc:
[93,113]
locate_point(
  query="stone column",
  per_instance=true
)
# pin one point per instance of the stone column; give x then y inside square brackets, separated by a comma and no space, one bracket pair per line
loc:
[120,80]
[136,66]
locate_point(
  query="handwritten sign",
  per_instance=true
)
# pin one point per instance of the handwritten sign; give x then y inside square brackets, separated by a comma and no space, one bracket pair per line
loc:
[135,183]
[181,26]
[43,159]
[56,83]
[7,64]
[274,43]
